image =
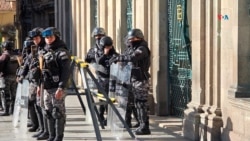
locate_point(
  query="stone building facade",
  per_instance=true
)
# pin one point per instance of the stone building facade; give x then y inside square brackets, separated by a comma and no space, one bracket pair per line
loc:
[77,18]
[219,109]
[31,14]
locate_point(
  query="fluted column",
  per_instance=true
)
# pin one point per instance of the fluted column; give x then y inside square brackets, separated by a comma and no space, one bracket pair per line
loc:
[140,17]
[103,14]
[159,55]
[90,24]
[121,24]
[192,114]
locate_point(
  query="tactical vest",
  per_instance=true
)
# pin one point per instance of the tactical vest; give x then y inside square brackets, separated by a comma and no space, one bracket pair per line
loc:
[34,71]
[140,70]
[51,70]
[13,65]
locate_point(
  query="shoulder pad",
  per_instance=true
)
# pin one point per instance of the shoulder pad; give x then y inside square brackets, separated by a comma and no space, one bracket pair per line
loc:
[63,55]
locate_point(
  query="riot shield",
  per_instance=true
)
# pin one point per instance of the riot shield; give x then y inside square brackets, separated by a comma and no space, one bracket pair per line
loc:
[21,106]
[119,87]
[96,68]
[112,85]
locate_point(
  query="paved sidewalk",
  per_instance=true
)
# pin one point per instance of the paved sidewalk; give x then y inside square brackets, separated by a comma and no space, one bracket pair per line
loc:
[77,129]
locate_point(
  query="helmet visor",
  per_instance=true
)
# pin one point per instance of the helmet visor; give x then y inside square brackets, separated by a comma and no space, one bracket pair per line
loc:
[47,33]
[33,34]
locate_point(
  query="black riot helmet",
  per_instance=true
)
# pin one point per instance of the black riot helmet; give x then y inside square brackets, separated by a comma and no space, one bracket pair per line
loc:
[35,32]
[8,45]
[27,46]
[135,33]
[50,31]
[28,43]
[106,41]
[98,31]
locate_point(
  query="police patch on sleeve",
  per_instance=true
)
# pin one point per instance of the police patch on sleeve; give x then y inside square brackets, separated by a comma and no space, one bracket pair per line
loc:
[63,55]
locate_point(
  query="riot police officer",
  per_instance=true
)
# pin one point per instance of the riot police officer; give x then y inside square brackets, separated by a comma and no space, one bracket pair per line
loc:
[36,35]
[94,53]
[31,72]
[139,54]
[102,58]
[7,74]
[55,71]
[97,33]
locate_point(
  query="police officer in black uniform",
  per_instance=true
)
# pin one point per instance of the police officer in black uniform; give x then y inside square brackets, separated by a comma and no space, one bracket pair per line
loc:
[97,33]
[36,35]
[32,73]
[8,74]
[93,56]
[139,54]
[102,58]
[55,73]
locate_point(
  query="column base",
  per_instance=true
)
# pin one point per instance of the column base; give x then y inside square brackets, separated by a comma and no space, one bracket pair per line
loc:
[191,124]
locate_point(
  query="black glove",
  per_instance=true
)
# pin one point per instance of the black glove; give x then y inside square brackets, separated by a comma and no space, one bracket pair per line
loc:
[20,79]
[113,60]
[124,84]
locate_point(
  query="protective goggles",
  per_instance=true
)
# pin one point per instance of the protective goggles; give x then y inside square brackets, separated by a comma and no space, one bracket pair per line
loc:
[27,44]
[47,33]
[33,34]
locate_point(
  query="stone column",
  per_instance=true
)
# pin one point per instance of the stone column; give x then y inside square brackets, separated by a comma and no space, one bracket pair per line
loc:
[90,23]
[73,26]
[211,121]
[236,31]
[191,120]
[111,18]
[241,64]
[103,14]
[78,26]
[62,19]
[140,14]
[121,24]
[159,54]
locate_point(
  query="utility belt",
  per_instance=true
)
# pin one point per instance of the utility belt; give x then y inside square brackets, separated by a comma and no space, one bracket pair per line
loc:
[140,75]
[50,80]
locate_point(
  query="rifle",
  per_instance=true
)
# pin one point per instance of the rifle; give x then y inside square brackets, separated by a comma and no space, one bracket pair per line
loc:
[19,60]
[42,83]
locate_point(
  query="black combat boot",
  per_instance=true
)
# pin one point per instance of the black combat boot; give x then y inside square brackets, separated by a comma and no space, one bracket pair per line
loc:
[11,109]
[40,121]
[37,134]
[128,117]
[101,114]
[51,127]
[5,107]
[143,118]
[144,129]
[134,111]
[60,124]
[45,134]
[33,117]
[5,112]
